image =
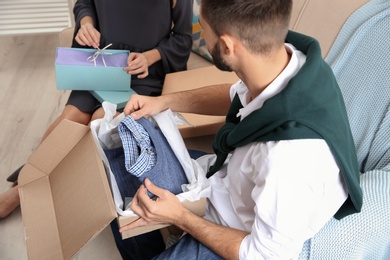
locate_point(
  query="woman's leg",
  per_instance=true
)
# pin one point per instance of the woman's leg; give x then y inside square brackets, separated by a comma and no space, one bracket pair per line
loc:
[9,201]
[71,113]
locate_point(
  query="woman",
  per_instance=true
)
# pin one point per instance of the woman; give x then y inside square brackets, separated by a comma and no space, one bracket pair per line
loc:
[156,32]
[158,35]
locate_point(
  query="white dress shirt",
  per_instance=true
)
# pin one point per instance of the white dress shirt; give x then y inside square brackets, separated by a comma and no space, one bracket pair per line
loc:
[282,192]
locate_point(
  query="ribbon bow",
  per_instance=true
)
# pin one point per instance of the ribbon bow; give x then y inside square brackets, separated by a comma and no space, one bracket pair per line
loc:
[99,52]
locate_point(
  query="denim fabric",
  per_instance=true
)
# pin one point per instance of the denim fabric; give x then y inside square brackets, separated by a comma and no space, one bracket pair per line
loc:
[128,184]
[140,247]
[195,154]
[167,172]
[148,245]
[188,248]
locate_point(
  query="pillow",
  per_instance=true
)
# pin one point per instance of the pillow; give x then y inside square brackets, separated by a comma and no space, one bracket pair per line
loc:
[198,42]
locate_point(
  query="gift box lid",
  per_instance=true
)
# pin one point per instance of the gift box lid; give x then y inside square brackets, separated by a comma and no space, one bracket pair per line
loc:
[119,98]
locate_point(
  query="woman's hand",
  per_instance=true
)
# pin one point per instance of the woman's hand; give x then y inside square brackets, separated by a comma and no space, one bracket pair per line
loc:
[87,34]
[137,65]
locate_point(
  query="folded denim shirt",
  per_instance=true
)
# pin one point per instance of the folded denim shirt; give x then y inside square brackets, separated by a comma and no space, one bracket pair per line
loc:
[145,154]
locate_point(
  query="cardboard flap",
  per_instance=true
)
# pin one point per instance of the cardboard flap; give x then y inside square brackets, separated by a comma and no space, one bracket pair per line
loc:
[141,230]
[57,145]
[201,125]
[39,220]
[82,198]
[28,174]
[72,202]
[197,78]
[198,207]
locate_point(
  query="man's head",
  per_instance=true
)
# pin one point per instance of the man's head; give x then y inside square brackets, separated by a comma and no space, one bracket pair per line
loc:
[260,25]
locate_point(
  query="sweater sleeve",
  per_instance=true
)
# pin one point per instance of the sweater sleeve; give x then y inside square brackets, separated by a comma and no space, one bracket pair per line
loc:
[175,49]
[84,8]
[81,9]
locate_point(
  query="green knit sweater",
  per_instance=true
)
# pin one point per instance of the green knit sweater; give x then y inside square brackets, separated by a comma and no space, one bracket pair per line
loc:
[309,107]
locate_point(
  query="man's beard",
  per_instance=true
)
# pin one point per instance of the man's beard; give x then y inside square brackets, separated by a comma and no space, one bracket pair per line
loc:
[219,62]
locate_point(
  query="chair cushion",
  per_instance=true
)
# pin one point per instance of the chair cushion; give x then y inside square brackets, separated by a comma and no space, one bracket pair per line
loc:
[199,44]
[359,59]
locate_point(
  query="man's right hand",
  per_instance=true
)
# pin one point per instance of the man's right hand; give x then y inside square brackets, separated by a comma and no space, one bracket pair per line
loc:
[210,100]
[144,106]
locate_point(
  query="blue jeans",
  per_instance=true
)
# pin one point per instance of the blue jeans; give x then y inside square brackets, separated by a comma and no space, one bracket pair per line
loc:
[188,248]
[195,154]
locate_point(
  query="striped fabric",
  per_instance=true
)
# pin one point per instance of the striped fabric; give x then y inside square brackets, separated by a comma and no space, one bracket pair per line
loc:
[139,151]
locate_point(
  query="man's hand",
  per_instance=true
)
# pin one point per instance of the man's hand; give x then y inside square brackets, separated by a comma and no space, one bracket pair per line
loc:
[166,209]
[210,100]
[143,106]
[87,34]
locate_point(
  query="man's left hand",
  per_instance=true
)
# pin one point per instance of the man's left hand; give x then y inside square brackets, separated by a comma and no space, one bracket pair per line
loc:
[165,209]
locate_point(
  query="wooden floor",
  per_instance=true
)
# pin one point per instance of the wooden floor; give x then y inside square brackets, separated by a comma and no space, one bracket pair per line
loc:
[29,102]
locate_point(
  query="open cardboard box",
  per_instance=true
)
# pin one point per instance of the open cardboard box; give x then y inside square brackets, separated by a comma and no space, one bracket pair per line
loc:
[201,125]
[65,195]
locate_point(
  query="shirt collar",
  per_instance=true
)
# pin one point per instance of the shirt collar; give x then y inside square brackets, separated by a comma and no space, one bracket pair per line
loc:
[296,62]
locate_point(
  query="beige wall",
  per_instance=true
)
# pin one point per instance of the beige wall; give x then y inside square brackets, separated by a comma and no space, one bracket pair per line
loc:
[322,19]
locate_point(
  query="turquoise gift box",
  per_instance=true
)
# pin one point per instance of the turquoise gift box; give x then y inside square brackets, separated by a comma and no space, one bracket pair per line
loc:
[91,69]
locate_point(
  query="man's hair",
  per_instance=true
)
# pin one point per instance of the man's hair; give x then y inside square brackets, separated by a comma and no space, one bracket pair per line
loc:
[260,25]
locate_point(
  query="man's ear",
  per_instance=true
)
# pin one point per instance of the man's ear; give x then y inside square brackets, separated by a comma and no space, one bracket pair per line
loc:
[227,44]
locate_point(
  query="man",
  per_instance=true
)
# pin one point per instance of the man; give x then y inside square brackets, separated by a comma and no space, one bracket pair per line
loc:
[293,164]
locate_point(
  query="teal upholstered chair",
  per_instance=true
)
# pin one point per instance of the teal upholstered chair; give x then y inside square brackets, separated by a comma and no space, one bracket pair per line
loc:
[361,62]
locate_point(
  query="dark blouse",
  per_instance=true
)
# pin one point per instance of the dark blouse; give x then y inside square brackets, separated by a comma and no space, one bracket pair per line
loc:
[141,25]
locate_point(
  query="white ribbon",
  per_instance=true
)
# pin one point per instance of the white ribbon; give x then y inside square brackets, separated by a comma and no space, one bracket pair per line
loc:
[99,52]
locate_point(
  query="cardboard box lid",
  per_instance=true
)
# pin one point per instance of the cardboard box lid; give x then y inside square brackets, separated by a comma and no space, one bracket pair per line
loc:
[65,168]
[119,98]
[191,79]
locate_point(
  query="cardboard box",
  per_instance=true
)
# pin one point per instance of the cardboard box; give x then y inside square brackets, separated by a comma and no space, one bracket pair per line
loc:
[65,195]
[75,72]
[201,125]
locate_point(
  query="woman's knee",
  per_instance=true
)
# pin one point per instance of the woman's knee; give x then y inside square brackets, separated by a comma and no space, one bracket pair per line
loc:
[74,114]
[99,113]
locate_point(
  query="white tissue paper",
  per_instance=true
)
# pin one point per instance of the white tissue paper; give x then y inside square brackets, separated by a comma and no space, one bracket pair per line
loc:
[106,136]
